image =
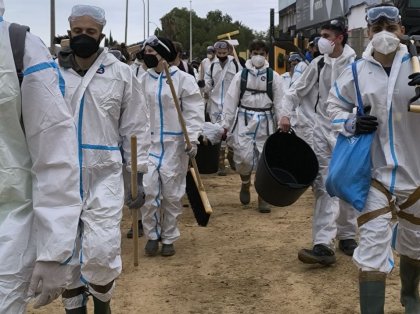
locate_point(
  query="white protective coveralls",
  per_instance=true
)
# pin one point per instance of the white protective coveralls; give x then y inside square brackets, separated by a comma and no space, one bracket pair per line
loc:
[164,183]
[217,84]
[39,214]
[249,135]
[305,111]
[108,107]
[395,155]
[332,218]
[137,68]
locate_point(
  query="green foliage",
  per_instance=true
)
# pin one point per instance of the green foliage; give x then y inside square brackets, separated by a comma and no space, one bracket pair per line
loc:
[176,26]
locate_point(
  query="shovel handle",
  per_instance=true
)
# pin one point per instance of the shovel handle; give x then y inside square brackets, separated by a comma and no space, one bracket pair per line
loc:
[134,191]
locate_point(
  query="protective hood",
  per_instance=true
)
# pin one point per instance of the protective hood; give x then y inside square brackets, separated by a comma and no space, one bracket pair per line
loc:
[1,7]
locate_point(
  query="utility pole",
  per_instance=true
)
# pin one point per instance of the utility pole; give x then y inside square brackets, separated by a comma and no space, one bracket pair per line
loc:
[144,20]
[190,33]
[52,26]
[126,21]
[148,19]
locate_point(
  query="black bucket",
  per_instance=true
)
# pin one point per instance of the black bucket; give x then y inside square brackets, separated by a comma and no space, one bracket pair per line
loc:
[287,167]
[207,157]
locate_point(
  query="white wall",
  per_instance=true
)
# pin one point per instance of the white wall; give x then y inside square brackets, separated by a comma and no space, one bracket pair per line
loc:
[356,17]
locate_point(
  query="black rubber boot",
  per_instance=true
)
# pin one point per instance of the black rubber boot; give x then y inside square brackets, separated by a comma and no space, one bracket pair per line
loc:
[244,194]
[410,276]
[372,292]
[79,310]
[347,246]
[101,307]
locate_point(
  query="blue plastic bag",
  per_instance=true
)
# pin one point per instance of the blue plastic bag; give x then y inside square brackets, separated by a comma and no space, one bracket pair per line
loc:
[349,172]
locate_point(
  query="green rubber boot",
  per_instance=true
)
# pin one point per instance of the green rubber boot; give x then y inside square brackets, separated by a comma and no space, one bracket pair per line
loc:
[101,307]
[372,292]
[410,276]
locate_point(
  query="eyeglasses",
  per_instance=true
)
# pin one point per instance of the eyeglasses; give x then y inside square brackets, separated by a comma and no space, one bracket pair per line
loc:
[389,13]
[221,45]
[153,41]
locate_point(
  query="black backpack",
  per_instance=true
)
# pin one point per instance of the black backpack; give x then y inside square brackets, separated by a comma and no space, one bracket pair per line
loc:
[17,34]
[244,80]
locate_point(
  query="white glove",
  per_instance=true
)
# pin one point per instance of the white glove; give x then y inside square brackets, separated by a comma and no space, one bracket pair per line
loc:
[48,282]
[192,152]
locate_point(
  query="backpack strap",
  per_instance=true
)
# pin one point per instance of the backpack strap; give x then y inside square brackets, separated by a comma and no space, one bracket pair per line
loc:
[244,80]
[320,65]
[270,83]
[17,34]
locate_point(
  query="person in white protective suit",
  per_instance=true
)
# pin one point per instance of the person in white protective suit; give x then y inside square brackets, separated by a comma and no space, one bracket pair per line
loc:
[331,218]
[164,183]
[303,122]
[250,118]
[204,67]
[108,107]
[217,81]
[39,200]
[395,159]
[138,66]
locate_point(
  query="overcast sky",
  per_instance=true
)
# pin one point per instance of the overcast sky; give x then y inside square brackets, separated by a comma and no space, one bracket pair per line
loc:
[36,14]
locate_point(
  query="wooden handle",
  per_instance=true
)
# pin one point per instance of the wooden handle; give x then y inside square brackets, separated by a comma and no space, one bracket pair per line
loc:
[135,220]
[182,122]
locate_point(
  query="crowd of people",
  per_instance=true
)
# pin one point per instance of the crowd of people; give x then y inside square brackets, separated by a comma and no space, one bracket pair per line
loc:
[66,128]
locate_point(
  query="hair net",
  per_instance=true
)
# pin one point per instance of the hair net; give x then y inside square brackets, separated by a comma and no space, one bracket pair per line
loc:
[1,7]
[97,13]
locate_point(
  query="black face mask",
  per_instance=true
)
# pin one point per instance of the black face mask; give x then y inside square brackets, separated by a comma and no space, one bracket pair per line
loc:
[83,45]
[151,61]
[222,59]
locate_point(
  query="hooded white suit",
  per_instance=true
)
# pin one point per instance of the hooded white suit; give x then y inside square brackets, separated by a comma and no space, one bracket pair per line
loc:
[395,154]
[164,183]
[39,200]
[330,218]
[217,84]
[108,107]
[249,135]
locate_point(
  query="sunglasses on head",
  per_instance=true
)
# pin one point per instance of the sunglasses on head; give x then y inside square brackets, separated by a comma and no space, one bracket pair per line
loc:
[153,41]
[389,13]
[221,45]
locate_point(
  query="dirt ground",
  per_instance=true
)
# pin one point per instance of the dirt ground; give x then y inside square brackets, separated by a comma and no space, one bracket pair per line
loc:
[243,262]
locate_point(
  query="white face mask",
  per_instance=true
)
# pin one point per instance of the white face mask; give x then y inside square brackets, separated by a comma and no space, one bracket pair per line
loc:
[210,56]
[385,42]
[325,46]
[258,61]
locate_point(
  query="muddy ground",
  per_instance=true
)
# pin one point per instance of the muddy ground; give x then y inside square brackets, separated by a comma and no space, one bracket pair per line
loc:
[243,262]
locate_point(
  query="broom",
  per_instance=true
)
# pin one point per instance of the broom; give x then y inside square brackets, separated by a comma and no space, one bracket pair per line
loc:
[135,221]
[194,186]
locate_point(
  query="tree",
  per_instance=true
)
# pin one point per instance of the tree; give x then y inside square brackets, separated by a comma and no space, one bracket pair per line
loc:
[176,26]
